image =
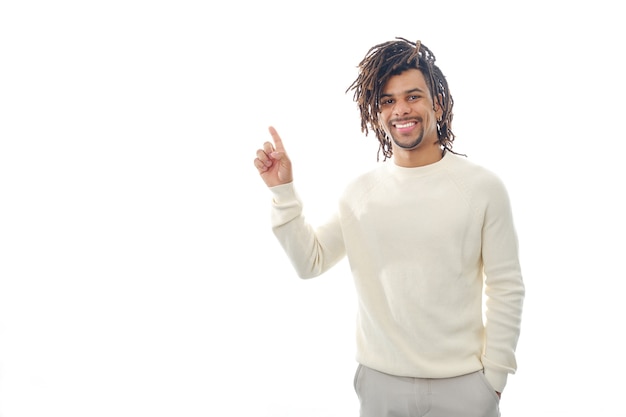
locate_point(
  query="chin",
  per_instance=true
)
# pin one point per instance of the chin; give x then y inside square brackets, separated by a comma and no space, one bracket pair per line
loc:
[408,146]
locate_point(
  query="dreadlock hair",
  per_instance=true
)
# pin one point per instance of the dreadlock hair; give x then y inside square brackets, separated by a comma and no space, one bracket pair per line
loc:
[392,58]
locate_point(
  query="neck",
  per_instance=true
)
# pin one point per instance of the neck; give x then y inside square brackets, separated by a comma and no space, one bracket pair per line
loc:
[417,157]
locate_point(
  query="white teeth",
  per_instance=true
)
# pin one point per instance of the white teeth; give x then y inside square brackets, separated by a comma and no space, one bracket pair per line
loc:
[402,126]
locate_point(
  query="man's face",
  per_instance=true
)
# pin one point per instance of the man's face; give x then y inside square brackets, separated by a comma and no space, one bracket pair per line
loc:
[406,111]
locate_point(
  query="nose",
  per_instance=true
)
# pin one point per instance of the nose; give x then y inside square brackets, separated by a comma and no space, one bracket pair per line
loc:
[401,108]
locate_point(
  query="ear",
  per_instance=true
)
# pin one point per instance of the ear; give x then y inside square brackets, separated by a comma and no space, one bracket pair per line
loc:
[438,108]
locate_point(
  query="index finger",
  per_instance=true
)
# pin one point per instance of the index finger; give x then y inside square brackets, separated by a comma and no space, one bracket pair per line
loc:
[278,142]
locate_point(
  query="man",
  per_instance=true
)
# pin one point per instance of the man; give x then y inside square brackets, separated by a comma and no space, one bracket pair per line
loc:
[426,235]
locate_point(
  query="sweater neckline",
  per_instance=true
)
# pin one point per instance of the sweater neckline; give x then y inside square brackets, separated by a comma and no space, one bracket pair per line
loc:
[421,170]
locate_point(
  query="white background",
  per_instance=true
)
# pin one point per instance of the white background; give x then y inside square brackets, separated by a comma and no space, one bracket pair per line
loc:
[138,272]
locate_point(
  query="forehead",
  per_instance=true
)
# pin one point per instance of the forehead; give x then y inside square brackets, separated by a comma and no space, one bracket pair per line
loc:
[409,80]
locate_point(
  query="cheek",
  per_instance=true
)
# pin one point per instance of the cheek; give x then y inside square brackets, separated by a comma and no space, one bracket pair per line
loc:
[382,121]
[383,118]
[430,117]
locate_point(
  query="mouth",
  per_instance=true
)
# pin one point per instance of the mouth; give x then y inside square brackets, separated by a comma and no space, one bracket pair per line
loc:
[404,125]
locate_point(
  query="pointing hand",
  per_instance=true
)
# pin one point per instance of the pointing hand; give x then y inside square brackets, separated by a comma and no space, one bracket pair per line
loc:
[272,162]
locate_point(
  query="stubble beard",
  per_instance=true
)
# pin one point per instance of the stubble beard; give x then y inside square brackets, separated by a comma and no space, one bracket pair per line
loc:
[411,145]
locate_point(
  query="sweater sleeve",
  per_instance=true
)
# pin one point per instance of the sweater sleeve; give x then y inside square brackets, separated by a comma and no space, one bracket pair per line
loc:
[312,251]
[504,288]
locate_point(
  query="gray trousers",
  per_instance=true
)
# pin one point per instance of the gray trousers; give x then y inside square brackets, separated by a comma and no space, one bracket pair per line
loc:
[384,395]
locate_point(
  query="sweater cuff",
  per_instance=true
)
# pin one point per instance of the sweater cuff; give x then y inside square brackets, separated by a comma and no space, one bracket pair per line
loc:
[496,379]
[283,193]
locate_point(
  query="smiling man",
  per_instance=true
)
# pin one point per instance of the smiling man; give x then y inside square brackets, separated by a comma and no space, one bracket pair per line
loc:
[427,234]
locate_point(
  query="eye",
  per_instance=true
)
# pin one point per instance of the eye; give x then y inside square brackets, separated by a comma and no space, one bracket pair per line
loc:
[386,102]
[413,98]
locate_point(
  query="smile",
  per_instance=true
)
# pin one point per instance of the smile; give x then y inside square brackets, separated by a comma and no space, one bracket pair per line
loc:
[404,125]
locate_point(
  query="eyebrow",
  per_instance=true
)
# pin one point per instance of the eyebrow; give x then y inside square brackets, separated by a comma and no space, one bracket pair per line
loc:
[413,90]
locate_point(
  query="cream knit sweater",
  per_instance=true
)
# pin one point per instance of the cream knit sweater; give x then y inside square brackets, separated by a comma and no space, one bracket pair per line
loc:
[424,245]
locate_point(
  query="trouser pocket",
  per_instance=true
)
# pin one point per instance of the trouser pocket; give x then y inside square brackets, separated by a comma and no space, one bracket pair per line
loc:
[356,378]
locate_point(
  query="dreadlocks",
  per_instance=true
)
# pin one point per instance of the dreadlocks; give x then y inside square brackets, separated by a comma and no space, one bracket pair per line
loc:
[392,58]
